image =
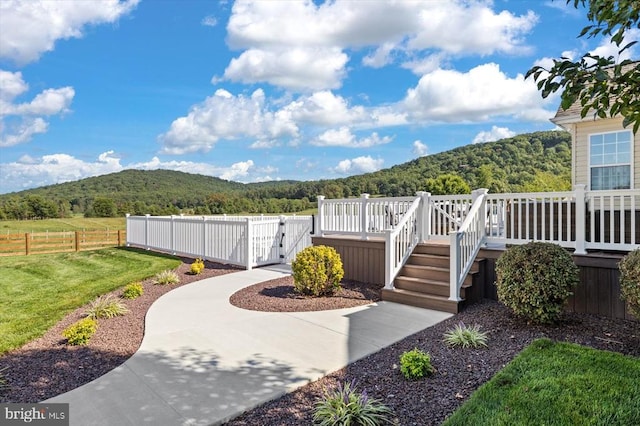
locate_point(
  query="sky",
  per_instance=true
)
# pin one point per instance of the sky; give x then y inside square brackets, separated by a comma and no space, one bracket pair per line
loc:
[254,91]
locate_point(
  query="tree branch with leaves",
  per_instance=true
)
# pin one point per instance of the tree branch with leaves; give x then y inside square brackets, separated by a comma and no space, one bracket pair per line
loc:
[603,87]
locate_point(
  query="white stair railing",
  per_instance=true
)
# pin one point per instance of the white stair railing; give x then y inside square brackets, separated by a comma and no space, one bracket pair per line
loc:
[401,240]
[466,242]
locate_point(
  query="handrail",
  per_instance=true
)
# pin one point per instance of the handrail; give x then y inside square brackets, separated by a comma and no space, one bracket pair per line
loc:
[401,240]
[466,242]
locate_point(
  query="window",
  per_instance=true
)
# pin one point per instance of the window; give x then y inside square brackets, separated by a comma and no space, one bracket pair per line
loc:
[610,160]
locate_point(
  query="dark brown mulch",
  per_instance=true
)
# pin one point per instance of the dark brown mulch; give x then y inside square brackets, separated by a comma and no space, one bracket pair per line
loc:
[279,296]
[459,371]
[47,366]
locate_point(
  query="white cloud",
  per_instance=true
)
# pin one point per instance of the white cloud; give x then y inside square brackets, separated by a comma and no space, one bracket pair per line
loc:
[608,48]
[344,137]
[311,47]
[324,108]
[496,133]
[358,165]
[209,21]
[19,122]
[29,172]
[481,93]
[225,116]
[419,149]
[30,28]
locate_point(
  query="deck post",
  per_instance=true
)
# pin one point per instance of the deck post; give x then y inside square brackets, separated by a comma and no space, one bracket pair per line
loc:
[389,256]
[581,216]
[454,266]
[319,229]
[249,259]
[363,216]
[424,218]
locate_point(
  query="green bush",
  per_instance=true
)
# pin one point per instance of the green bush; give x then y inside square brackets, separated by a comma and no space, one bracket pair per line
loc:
[81,331]
[630,281]
[534,280]
[464,336]
[346,406]
[166,277]
[197,267]
[415,364]
[106,306]
[317,271]
[133,290]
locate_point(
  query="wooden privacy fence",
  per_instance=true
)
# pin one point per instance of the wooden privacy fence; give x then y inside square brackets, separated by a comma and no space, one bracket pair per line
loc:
[59,242]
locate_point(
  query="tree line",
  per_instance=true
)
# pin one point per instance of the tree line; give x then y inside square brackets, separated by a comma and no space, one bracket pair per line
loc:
[532,162]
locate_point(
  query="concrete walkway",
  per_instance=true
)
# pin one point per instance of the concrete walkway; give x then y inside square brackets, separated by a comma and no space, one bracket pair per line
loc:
[203,361]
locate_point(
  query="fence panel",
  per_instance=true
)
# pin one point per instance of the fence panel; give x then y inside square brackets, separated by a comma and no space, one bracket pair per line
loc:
[58,242]
[297,236]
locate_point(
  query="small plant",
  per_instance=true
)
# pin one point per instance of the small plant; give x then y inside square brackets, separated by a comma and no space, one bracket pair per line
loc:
[166,277]
[534,280]
[630,281]
[106,306]
[317,271]
[464,336]
[415,364]
[346,406]
[197,267]
[133,290]
[4,385]
[80,332]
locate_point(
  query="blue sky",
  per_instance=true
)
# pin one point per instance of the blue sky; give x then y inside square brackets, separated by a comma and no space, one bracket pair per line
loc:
[267,90]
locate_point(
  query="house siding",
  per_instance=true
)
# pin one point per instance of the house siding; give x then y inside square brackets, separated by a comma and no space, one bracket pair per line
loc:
[581,147]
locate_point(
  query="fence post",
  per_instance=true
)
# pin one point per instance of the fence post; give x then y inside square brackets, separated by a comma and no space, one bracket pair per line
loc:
[77,240]
[127,227]
[281,229]
[27,243]
[146,231]
[173,235]
[389,256]
[249,259]
[581,219]
[454,266]
[424,219]
[204,238]
[364,216]
[320,228]
[119,237]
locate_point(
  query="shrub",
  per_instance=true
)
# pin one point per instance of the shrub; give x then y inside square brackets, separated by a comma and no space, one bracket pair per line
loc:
[106,306]
[133,290]
[464,336]
[166,277]
[630,281]
[534,280]
[81,331]
[317,271]
[197,267]
[346,406]
[415,364]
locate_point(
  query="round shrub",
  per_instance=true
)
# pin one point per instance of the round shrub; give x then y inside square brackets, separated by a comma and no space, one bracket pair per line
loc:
[415,364]
[80,332]
[317,271]
[630,281]
[534,280]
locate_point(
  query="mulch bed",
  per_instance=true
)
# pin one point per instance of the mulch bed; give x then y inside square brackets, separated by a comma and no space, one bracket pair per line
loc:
[47,367]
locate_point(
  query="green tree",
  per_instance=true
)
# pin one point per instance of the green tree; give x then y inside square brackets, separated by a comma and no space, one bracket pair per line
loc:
[104,207]
[447,184]
[603,87]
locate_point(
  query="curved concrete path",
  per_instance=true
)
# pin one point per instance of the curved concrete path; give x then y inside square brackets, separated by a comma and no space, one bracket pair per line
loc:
[203,361]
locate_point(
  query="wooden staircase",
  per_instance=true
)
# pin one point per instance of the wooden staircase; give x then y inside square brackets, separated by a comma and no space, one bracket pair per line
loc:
[424,280]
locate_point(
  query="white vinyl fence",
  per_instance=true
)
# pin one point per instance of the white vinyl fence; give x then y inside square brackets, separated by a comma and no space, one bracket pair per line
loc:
[247,241]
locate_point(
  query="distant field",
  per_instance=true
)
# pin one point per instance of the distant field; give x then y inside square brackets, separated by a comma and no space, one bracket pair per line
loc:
[58,225]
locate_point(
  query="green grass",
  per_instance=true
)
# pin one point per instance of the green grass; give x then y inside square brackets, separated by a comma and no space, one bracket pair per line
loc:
[76,223]
[37,291]
[558,384]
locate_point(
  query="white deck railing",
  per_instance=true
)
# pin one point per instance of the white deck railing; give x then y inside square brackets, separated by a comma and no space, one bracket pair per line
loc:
[362,216]
[465,242]
[580,220]
[247,241]
[401,240]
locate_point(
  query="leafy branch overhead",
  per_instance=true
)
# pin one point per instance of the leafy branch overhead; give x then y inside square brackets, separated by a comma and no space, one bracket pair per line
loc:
[603,87]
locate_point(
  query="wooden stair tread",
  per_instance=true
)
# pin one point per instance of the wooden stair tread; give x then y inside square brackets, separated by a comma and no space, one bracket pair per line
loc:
[422,300]
[428,281]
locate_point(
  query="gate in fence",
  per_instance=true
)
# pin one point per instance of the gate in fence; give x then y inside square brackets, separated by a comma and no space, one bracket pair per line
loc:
[247,241]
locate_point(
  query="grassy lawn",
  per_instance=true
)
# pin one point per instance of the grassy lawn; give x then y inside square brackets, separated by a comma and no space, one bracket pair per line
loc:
[558,384]
[37,291]
[77,223]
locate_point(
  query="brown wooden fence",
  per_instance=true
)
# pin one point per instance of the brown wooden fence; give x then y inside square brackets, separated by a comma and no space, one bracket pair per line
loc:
[59,242]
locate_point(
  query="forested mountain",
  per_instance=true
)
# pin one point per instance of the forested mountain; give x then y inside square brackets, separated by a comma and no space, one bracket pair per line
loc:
[531,162]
